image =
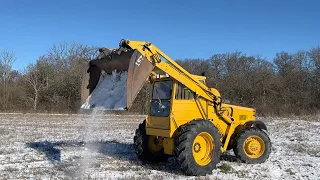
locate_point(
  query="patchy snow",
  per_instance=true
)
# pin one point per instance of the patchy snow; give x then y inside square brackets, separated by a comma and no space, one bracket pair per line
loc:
[40,146]
[110,92]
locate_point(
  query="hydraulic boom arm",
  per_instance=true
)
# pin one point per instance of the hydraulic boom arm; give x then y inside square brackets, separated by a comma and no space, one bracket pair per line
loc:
[158,58]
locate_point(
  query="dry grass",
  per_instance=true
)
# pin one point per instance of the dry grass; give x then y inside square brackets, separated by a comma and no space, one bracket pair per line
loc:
[226,168]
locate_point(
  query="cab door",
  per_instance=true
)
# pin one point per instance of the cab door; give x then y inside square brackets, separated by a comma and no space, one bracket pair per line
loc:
[184,107]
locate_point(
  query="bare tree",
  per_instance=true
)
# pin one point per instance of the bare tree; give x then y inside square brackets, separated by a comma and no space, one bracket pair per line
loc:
[7,58]
[32,77]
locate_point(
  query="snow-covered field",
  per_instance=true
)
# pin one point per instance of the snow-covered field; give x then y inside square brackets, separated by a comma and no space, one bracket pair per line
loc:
[40,146]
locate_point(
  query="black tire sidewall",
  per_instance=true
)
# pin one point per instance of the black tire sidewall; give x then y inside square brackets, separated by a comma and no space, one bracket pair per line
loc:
[239,150]
[191,131]
[213,161]
[142,148]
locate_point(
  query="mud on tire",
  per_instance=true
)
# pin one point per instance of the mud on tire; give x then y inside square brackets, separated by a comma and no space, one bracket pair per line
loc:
[186,146]
[142,149]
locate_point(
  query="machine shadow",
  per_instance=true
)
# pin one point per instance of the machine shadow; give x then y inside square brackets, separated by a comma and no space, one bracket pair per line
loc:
[229,158]
[114,149]
[50,149]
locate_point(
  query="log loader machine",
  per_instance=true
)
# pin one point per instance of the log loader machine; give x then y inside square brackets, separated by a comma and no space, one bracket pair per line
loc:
[186,119]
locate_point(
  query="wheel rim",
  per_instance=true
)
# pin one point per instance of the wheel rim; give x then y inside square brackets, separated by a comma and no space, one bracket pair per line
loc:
[155,144]
[202,148]
[254,147]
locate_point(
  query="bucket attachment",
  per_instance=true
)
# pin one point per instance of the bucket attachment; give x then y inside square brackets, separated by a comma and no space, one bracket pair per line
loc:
[113,80]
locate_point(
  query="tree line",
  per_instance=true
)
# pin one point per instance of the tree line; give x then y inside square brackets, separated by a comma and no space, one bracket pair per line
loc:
[288,84]
[51,84]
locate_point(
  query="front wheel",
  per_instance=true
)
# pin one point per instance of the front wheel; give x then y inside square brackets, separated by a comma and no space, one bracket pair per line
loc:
[197,148]
[253,146]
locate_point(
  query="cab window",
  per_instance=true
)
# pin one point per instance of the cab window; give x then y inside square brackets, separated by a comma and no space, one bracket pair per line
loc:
[182,92]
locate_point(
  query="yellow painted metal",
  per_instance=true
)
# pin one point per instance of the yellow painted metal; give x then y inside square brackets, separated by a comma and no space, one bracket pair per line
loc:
[202,148]
[158,132]
[168,145]
[152,53]
[158,122]
[239,113]
[205,105]
[185,110]
[234,116]
[231,130]
[155,143]
[254,147]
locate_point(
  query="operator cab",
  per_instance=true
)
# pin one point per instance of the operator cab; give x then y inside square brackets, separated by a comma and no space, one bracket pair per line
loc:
[161,98]
[162,94]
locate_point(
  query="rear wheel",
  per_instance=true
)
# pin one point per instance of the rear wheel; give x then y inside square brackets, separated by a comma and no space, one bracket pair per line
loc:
[197,148]
[253,146]
[148,148]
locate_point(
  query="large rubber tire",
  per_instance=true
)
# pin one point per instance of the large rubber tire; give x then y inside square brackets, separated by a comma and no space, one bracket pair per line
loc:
[186,147]
[142,149]
[255,139]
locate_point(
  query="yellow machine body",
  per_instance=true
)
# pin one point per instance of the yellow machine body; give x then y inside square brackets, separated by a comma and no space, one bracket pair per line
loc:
[186,109]
[189,96]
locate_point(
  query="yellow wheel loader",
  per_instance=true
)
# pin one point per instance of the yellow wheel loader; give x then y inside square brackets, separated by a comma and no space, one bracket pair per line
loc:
[186,118]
